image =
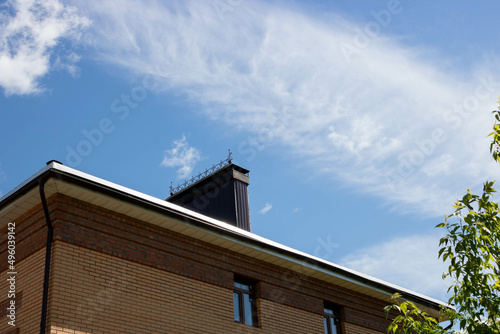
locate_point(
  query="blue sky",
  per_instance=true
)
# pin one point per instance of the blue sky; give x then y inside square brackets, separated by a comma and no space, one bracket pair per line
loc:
[361,121]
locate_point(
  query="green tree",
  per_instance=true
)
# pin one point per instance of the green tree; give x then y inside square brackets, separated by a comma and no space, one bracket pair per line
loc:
[472,247]
[413,320]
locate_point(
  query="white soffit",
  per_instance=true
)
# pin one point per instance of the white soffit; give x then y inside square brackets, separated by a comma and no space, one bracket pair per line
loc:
[216,232]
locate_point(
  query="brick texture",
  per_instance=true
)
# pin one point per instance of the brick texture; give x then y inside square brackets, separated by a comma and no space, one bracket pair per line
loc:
[115,274]
[29,282]
[12,331]
[97,293]
[353,329]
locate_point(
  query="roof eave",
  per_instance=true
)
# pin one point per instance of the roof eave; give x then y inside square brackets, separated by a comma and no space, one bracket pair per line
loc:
[66,174]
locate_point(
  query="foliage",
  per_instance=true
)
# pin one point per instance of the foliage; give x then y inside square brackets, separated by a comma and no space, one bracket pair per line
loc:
[411,319]
[472,247]
[495,143]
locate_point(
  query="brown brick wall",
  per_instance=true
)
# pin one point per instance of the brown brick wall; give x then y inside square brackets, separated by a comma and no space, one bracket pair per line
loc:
[353,329]
[170,257]
[278,318]
[97,293]
[12,331]
[29,282]
[31,235]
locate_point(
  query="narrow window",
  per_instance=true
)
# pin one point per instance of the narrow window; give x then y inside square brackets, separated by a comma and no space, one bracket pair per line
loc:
[244,302]
[331,319]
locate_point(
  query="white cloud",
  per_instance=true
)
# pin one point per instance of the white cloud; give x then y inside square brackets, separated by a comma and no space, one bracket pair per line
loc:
[390,121]
[68,63]
[181,155]
[29,32]
[410,262]
[266,209]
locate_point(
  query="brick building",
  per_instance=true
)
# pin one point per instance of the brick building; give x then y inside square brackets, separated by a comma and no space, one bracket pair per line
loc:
[95,257]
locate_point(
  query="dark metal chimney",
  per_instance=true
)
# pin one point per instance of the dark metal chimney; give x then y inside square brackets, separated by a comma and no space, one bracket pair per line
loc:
[220,192]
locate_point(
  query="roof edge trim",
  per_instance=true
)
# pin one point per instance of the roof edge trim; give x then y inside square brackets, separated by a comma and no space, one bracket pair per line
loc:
[68,174]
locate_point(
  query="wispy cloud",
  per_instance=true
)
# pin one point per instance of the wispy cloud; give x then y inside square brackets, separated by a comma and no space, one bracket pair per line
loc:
[30,30]
[266,209]
[181,155]
[390,121]
[407,261]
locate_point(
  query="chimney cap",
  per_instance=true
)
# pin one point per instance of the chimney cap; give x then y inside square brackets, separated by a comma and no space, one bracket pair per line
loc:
[207,173]
[205,177]
[222,195]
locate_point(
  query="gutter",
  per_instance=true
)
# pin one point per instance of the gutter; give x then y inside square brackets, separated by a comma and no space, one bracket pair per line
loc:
[48,251]
[230,232]
[66,174]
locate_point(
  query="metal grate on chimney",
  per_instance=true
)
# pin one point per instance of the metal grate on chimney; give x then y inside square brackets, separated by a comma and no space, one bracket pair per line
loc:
[202,175]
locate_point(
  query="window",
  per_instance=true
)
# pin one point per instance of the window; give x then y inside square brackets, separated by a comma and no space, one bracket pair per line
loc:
[331,319]
[244,302]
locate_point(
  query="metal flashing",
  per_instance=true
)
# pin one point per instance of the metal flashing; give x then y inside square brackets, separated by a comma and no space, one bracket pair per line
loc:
[225,234]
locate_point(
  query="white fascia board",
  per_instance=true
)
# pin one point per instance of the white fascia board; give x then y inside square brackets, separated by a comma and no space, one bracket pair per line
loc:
[237,231]
[27,181]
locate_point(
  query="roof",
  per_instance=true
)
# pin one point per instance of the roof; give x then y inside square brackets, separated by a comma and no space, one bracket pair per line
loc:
[74,183]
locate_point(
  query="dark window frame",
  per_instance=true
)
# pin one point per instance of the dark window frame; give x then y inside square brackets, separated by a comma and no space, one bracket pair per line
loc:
[331,315]
[245,287]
